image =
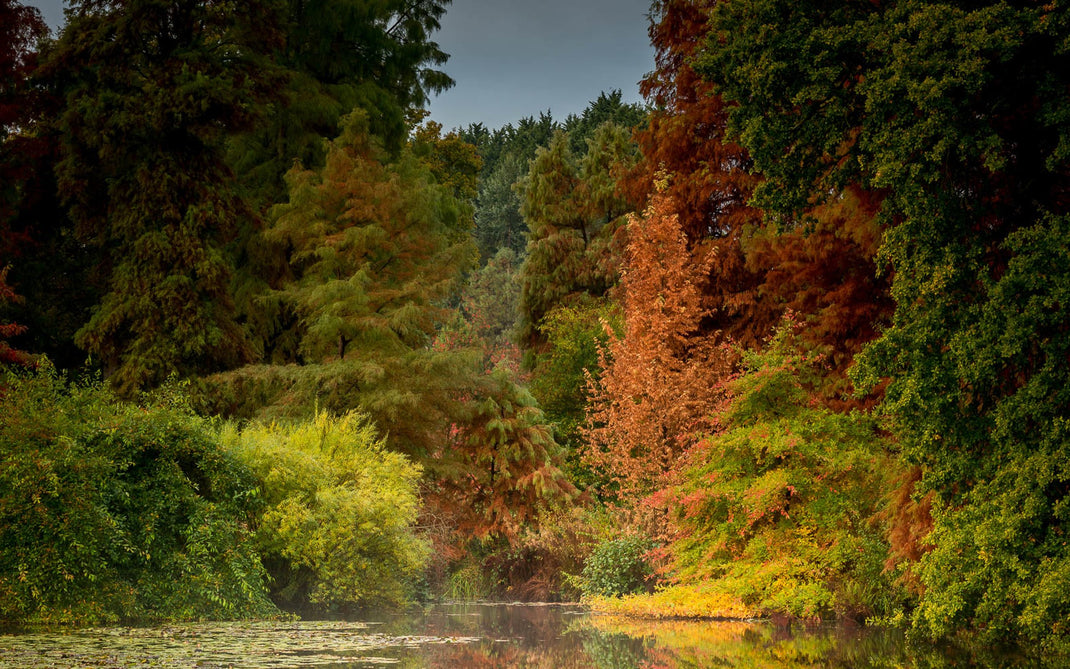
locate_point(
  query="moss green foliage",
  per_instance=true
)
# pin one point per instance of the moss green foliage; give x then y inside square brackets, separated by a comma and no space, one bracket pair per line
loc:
[336,529]
[777,508]
[564,372]
[618,567]
[117,512]
[573,213]
[489,307]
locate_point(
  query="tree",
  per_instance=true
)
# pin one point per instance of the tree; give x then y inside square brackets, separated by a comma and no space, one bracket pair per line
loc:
[335,57]
[607,108]
[776,508]
[152,90]
[374,249]
[573,214]
[824,272]
[338,56]
[500,470]
[21,28]
[954,111]
[658,386]
[498,222]
[489,308]
[710,177]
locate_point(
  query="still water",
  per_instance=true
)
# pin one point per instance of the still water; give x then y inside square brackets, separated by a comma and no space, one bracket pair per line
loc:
[491,635]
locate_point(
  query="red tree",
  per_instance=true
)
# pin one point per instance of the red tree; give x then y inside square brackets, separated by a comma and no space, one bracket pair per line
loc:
[710,180]
[20,29]
[659,385]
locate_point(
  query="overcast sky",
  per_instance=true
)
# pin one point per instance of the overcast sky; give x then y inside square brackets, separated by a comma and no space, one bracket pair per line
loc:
[516,58]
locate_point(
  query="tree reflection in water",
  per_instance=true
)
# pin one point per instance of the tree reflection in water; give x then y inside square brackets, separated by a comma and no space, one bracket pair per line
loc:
[482,636]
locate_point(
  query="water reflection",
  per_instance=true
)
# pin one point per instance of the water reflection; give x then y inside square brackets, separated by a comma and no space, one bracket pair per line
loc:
[499,636]
[534,636]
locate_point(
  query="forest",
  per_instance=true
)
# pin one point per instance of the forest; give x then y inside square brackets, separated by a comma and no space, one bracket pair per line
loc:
[791,339]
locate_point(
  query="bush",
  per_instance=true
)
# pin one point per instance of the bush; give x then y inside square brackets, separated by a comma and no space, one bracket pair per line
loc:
[617,567]
[116,512]
[337,529]
[780,507]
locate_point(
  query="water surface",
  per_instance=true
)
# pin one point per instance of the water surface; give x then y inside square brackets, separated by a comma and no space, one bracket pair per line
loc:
[492,635]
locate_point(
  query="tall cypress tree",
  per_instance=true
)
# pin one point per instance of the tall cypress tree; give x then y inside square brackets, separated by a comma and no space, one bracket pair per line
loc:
[152,89]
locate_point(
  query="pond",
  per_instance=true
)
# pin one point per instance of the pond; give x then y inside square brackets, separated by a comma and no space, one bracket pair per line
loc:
[489,635]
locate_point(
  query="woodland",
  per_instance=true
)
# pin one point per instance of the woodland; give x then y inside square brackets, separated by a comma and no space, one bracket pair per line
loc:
[790,339]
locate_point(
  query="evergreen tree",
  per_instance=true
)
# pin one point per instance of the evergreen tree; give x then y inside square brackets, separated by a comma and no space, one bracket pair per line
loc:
[573,214]
[607,108]
[499,224]
[152,89]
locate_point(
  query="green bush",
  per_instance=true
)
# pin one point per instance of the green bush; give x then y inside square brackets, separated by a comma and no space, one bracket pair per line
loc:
[117,512]
[337,528]
[780,508]
[617,567]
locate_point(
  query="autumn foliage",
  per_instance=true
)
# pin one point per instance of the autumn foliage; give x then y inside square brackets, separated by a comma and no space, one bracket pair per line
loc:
[659,385]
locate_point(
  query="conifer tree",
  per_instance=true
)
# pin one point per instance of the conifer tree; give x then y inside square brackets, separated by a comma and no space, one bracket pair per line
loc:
[374,247]
[501,468]
[20,28]
[573,214]
[659,381]
[152,89]
[337,56]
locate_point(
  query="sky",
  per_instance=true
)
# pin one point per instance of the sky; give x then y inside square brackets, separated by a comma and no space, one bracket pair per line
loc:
[517,58]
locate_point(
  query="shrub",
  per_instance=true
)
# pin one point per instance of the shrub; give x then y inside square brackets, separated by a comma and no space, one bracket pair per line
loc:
[779,507]
[617,567]
[111,511]
[337,529]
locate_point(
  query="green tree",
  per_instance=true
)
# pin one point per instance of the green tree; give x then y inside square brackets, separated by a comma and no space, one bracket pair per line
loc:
[338,56]
[778,508]
[573,214]
[489,307]
[607,108]
[498,222]
[151,91]
[955,112]
[374,249]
